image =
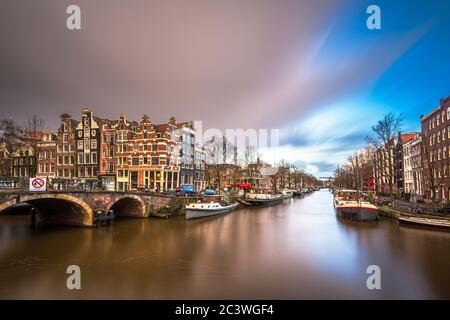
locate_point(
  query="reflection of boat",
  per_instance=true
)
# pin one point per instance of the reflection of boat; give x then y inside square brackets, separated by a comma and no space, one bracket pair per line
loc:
[263,198]
[206,209]
[427,222]
[349,204]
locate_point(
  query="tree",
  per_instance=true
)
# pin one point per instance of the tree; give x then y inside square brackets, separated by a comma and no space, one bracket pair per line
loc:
[383,136]
[219,153]
[10,139]
[250,160]
[432,171]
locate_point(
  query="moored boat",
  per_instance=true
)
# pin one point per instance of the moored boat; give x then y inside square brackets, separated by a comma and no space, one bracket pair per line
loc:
[287,193]
[207,209]
[263,198]
[425,222]
[350,205]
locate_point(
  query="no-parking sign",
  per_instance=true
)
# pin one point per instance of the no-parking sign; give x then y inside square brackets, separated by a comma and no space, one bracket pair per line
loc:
[38,184]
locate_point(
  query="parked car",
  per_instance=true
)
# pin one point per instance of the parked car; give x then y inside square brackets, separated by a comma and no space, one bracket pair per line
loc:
[186,190]
[209,192]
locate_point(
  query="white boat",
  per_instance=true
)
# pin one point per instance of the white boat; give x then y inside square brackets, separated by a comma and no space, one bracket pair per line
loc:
[207,209]
[263,198]
[350,205]
[287,193]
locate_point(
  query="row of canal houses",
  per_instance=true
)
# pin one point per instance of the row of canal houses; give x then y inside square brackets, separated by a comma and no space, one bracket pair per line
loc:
[114,155]
[420,161]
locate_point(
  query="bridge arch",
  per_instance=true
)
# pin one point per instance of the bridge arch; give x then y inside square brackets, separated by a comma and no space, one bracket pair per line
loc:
[55,208]
[128,206]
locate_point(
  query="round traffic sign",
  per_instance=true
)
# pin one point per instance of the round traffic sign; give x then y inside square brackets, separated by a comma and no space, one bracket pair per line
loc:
[38,183]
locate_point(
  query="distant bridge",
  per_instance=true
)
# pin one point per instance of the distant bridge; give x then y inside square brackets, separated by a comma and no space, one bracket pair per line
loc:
[79,207]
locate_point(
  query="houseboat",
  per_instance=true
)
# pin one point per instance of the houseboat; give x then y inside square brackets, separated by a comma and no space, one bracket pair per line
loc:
[349,204]
[263,198]
[206,209]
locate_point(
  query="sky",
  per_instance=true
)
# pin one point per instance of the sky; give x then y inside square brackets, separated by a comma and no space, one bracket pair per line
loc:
[311,69]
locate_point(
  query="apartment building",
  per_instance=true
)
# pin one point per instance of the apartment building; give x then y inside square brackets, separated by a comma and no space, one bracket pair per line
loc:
[436,150]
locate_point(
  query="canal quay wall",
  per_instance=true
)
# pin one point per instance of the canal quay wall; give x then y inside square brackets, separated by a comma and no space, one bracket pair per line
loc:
[83,208]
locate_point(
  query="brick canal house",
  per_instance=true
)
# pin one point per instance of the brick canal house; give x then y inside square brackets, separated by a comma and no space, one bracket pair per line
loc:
[147,155]
[436,152]
[46,157]
[107,169]
[24,160]
[65,152]
[87,139]
[186,133]
[399,161]
[388,165]
[384,169]
[415,147]
[200,167]
[192,167]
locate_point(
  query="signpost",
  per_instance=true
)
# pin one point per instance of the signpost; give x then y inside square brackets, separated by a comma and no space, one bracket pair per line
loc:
[38,184]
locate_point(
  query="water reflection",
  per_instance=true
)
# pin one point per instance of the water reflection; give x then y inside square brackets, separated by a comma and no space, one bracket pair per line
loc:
[298,249]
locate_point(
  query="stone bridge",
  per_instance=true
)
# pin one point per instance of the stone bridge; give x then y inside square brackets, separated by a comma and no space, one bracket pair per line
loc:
[79,207]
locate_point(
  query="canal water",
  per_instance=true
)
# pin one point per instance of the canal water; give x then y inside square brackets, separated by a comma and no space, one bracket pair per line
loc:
[295,250]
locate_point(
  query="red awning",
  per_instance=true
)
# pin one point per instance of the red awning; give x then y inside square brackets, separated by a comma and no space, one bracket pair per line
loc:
[242,185]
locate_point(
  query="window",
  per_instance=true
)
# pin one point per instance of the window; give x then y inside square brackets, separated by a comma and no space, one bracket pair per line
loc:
[154,147]
[93,144]
[93,133]
[80,145]
[65,137]
[86,133]
[87,158]
[80,133]
[155,161]
[145,161]
[80,158]
[94,157]
[135,161]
